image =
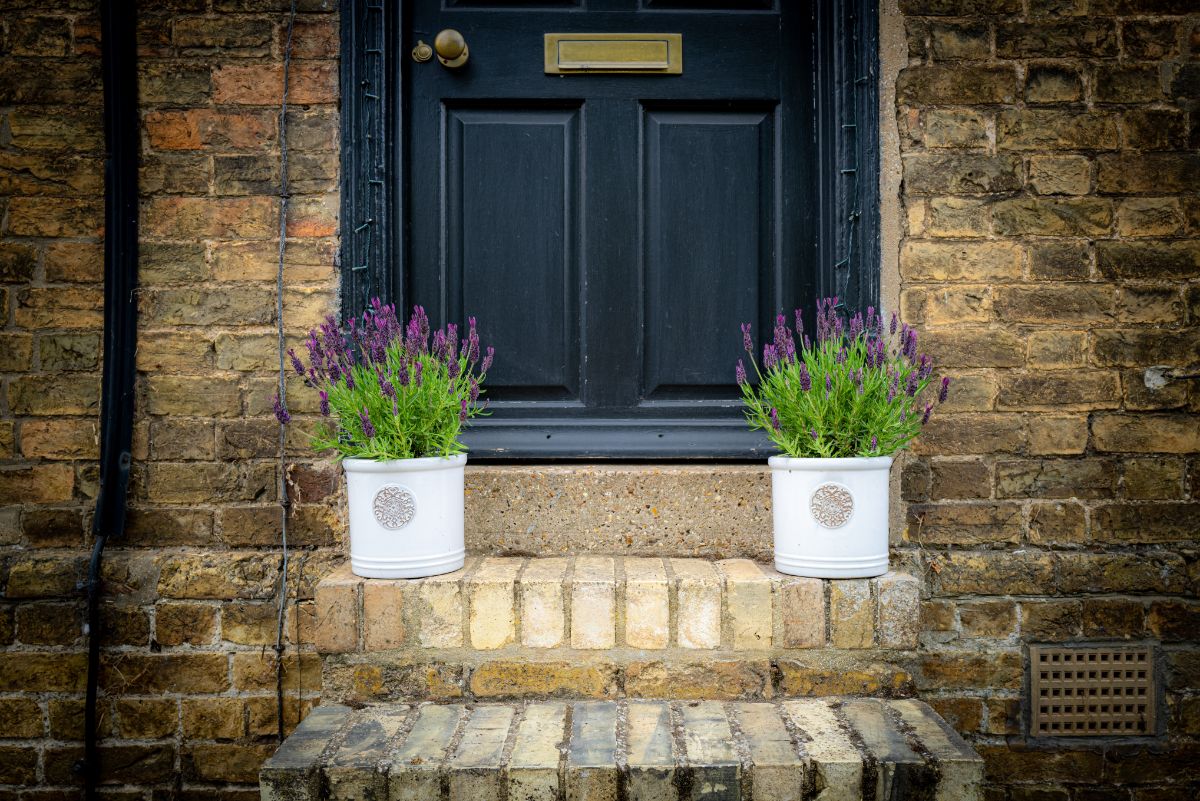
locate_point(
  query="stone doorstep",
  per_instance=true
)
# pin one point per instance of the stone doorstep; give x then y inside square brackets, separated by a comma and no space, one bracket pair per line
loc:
[603,603]
[829,749]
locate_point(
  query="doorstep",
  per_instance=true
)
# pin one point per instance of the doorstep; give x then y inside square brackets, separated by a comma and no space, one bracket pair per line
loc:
[828,749]
[607,627]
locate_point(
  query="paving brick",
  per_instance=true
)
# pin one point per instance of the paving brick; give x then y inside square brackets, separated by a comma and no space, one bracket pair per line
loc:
[414,767]
[711,762]
[492,591]
[777,773]
[698,594]
[591,769]
[474,768]
[533,768]
[292,773]
[749,604]
[651,756]
[834,758]
[593,603]
[543,611]
[647,604]
[352,771]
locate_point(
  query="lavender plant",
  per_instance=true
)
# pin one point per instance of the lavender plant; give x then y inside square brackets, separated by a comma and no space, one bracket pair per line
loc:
[391,391]
[859,390]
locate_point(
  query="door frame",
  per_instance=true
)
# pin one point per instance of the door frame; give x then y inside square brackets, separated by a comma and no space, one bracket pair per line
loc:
[845,132]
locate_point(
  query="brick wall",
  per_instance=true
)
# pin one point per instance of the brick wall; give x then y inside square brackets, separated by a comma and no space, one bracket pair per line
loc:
[1051,214]
[1051,218]
[188,685]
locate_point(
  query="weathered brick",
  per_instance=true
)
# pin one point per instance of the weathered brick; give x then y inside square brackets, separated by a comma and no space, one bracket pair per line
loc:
[1148,259]
[44,483]
[23,717]
[964,524]
[202,217]
[956,84]
[1060,261]
[1153,478]
[987,619]
[956,671]
[975,347]
[215,575]
[147,718]
[338,612]
[695,681]
[212,718]
[971,41]
[549,679]
[994,573]
[1120,572]
[966,434]
[1084,216]
[698,594]
[929,174]
[956,127]
[1051,129]
[309,83]
[1057,524]
[1154,129]
[1137,347]
[960,479]
[1129,524]
[799,679]
[184,624]
[1113,617]
[241,35]
[647,604]
[56,217]
[1052,83]
[1086,38]
[1127,84]
[1147,173]
[192,395]
[1063,389]
[959,261]
[1060,175]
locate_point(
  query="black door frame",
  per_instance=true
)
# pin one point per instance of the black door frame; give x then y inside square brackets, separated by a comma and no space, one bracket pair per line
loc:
[845,48]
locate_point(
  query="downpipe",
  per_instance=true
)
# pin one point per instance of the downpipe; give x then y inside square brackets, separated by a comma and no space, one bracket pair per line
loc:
[118,26]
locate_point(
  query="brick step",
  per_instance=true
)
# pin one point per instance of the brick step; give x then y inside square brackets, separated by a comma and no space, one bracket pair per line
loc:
[613,627]
[826,749]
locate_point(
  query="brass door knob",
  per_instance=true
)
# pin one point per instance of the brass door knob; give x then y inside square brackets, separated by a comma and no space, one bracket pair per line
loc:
[451,48]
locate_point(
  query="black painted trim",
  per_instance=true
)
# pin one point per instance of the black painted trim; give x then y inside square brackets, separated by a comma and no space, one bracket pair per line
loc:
[845,44]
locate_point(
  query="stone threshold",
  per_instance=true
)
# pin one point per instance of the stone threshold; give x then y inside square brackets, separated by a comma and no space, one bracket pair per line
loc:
[713,511]
[843,749]
[672,607]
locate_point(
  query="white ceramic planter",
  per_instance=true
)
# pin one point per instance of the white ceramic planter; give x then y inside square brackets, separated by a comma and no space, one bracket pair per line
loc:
[831,516]
[406,516]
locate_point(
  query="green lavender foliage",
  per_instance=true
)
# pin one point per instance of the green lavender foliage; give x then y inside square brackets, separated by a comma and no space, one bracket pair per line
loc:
[857,391]
[387,391]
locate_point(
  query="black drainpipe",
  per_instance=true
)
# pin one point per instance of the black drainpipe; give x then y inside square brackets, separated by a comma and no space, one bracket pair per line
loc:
[118,25]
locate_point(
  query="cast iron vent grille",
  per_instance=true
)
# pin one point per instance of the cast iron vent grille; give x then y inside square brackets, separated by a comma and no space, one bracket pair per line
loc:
[1091,692]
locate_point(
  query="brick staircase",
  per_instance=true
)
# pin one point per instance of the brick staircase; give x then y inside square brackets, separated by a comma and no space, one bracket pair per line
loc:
[594,678]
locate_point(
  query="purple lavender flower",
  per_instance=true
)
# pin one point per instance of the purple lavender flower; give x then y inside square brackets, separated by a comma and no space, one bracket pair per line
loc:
[487,359]
[439,345]
[892,328]
[805,378]
[740,373]
[911,384]
[928,410]
[770,356]
[775,419]
[812,432]
[828,384]
[747,342]
[856,326]
[453,368]
[874,443]
[297,365]
[945,390]
[367,429]
[417,369]
[893,389]
[926,367]
[281,413]
[474,390]
[799,323]
[462,411]
[386,387]
[324,403]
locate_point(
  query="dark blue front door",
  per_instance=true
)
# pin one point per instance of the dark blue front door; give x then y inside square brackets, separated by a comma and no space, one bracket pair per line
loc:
[611,231]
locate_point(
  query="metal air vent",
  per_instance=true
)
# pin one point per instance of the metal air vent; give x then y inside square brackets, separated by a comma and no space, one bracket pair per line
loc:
[1091,692]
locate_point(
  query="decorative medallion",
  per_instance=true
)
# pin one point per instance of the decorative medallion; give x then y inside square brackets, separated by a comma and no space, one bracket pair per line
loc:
[394,506]
[831,505]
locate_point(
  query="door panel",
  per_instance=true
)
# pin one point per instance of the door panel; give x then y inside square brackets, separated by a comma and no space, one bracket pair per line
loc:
[512,206]
[610,231]
[709,249]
